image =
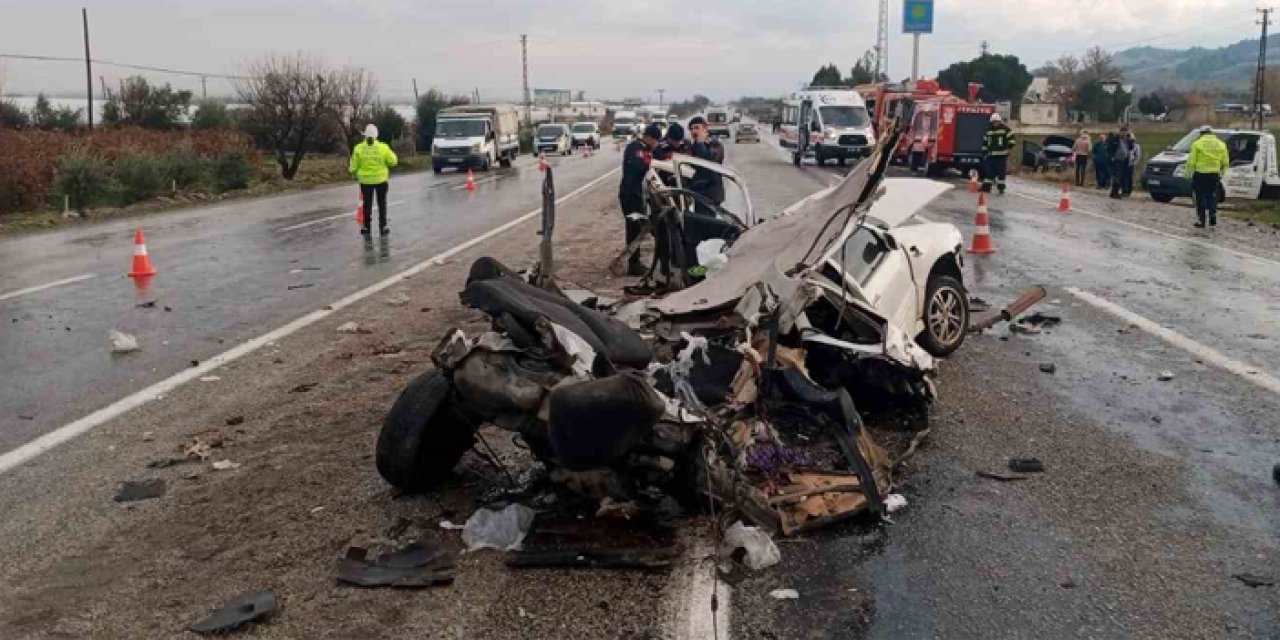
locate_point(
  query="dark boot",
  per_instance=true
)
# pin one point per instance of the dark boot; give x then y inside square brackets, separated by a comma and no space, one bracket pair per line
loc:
[635,266]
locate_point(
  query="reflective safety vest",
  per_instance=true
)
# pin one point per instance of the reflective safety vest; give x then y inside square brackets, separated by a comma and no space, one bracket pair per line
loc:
[998,140]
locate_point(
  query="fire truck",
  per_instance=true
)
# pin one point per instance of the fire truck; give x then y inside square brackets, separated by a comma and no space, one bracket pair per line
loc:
[946,133]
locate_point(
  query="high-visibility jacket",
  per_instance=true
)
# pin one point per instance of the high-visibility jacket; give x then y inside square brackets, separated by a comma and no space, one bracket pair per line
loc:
[998,140]
[371,163]
[1208,155]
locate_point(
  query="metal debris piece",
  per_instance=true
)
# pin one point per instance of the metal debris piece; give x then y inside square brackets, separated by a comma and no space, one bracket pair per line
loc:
[250,607]
[1165,376]
[1255,580]
[134,490]
[1048,367]
[997,475]
[1026,465]
[594,558]
[412,567]
[784,594]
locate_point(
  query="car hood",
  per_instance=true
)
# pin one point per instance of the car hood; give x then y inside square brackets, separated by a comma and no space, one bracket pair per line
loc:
[1168,157]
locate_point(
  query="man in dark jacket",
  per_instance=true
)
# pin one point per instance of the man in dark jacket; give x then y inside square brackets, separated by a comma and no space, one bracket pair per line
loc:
[996,144]
[672,144]
[1119,150]
[635,164]
[1102,162]
[706,183]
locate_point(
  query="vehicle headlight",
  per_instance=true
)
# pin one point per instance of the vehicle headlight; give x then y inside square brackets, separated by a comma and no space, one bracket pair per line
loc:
[475,148]
[832,135]
[1180,171]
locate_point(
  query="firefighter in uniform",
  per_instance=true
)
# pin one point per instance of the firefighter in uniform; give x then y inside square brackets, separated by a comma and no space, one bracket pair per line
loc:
[672,144]
[996,144]
[635,164]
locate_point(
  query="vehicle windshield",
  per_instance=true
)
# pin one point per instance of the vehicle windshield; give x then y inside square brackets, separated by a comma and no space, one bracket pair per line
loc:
[549,131]
[844,116]
[584,128]
[459,128]
[747,127]
[625,121]
[717,117]
[1184,145]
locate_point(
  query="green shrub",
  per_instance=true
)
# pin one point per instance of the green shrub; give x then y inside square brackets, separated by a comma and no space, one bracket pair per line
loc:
[140,176]
[83,178]
[185,169]
[232,170]
[211,114]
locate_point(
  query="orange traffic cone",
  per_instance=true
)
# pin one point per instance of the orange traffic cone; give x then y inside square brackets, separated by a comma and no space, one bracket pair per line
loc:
[360,211]
[586,153]
[973,181]
[982,229]
[1064,203]
[542,161]
[142,266]
[471,181]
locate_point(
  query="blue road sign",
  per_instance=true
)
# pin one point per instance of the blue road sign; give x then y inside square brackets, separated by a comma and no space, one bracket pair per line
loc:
[917,16]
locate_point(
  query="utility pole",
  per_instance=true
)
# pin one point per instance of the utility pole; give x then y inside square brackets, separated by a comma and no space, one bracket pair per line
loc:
[204,88]
[882,41]
[1260,81]
[415,91]
[986,48]
[88,65]
[524,60]
[661,94]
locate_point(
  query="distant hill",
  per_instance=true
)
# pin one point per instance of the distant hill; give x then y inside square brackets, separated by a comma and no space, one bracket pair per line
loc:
[1225,69]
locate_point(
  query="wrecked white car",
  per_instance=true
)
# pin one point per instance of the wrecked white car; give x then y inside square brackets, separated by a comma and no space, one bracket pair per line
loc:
[742,388]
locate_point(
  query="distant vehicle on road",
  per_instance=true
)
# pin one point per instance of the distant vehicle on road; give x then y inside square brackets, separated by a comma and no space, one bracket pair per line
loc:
[554,138]
[626,124]
[826,123]
[476,135]
[586,134]
[718,122]
[1252,174]
[746,132]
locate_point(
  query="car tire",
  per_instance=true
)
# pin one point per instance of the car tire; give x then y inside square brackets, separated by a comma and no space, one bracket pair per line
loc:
[424,435]
[946,316]
[795,159]
[1162,198]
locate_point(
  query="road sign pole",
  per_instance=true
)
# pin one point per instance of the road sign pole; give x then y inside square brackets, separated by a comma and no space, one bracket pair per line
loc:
[915,57]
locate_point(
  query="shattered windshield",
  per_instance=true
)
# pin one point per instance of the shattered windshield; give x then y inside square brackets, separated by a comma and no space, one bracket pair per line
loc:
[459,128]
[844,116]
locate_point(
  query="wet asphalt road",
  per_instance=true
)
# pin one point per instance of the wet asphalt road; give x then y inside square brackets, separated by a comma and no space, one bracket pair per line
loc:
[1157,493]
[227,273]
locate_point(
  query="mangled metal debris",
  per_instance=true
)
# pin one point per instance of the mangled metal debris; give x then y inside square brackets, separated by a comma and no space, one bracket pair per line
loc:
[741,389]
[416,565]
[250,607]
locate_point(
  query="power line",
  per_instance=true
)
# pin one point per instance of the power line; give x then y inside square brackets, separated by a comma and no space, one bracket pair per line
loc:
[122,65]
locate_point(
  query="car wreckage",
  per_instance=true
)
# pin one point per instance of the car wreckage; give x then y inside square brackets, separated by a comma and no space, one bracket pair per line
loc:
[735,382]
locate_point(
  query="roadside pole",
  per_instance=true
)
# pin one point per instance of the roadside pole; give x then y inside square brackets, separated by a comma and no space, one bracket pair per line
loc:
[915,56]
[917,19]
[88,65]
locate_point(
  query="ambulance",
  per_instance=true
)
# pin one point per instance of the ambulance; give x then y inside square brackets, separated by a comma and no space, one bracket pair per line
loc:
[834,124]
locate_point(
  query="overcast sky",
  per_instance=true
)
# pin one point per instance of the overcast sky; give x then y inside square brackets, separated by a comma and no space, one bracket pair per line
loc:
[608,48]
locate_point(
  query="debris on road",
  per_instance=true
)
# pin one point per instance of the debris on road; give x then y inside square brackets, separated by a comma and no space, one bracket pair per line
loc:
[894,502]
[304,387]
[1165,376]
[1025,300]
[301,286]
[352,327]
[978,304]
[235,421]
[416,565]
[226,465]
[784,594]
[1048,367]
[122,342]
[197,448]
[761,552]
[450,526]
[1026,465]
[502,530]
[1275,473]
[250,607]
[997,475]
[397,300]
[150,304]
[1034,323]
[134,490]
[643,559]
[1255,580]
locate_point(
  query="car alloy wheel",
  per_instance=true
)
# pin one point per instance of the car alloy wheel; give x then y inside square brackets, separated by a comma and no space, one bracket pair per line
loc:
[946,316]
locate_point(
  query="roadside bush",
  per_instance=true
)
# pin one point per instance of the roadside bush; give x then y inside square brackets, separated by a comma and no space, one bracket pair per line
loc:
[84,178]
[211,114]
[12,116]
[232,170]
[184,168]
[139,176]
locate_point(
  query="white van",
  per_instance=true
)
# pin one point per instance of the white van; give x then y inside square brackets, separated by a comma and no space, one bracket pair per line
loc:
[1252,175]
[835,121]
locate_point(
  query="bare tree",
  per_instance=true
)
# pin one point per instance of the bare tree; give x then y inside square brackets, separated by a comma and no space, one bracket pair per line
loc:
[356,90]
[1064,80]
[291,101]
[1098,64]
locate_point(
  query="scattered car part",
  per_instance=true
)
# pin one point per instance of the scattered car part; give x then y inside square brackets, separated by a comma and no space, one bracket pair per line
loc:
[134,490]
[414,566]
[250,607]
[1025,300]
[1026,465]
[645,559]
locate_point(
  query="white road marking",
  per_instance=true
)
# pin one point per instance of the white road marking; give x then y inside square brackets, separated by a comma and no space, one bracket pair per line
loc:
[1208,354]
[1166,234]
[333,217]
[48,441]
[50,285]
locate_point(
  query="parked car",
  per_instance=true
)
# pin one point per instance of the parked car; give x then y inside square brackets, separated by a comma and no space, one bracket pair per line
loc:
[1053,153]
[746,132]
[554,138]
[586,134]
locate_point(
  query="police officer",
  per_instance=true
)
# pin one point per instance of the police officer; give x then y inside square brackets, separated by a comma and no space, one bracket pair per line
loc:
[1207,162]
[635,164]
[705,183]
[371,161]
[996,144]
[672,144]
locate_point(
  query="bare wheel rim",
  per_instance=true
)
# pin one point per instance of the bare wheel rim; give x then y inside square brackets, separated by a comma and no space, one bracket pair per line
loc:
[946,311]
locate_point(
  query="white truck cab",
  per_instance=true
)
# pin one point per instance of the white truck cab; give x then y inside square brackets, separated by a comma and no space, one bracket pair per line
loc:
[476,135]
[826,123]
[1253,173]
[626,124]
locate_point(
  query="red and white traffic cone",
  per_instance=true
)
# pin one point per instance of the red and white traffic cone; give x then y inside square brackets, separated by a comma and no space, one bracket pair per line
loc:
[973,181]
[586,150]
[1064,203]
[542,161]
[360,211]
[471,181]
[982,229]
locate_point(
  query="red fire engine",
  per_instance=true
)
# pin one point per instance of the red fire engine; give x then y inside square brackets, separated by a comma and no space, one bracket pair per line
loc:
[946,133]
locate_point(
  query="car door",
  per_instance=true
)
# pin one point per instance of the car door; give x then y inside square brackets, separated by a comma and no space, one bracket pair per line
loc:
[1248,167]
[874,270]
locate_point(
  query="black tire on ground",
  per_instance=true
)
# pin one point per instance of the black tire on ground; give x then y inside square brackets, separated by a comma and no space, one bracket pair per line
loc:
[946,316]
[1162,197]
[506,159]
[424,434]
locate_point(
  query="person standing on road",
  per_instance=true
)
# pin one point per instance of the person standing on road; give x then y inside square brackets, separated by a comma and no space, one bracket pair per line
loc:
[1135,159]
[1082,148]
[1118,149]
[1101,167]
[371,162]
[1208,162]
[705,183]
[996,143]
[635,165]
